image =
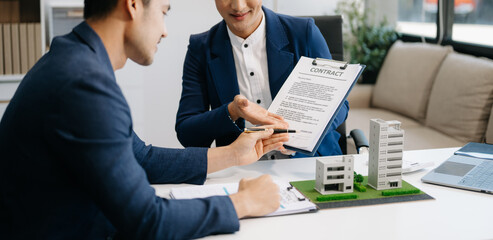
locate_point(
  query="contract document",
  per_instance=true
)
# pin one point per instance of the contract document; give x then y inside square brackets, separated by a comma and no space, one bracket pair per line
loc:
[311,97]
[292,201]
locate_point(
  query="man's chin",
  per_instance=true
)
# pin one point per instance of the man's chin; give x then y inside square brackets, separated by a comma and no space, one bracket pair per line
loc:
[148,62]
[144,61]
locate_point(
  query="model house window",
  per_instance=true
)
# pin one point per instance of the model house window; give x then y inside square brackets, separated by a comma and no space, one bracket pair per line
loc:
[393,166]
[335,177]
[394,143]
[394,151]
[332,187]
[330,169]
[393,174]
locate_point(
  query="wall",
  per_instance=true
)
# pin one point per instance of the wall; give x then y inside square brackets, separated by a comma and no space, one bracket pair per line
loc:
[383,9]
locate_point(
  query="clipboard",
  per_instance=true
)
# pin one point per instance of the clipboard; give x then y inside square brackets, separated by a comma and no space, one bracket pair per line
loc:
[292,200]
[339,66]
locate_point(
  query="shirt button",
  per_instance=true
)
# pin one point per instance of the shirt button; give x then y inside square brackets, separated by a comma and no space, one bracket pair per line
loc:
[246,45]
[251,73]
[258,101]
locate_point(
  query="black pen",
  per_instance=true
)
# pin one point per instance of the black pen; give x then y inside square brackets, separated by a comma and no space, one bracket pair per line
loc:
[276,130]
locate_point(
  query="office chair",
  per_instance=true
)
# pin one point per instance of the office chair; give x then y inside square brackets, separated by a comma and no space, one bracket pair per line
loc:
[331,29]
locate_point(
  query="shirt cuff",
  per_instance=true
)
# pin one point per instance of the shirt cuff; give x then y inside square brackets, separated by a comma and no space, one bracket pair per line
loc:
[234,123]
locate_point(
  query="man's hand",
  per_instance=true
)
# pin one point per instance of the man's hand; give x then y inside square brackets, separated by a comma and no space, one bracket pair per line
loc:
[255,114]
[286,151]
[246,149]
[256,197]
[249,147]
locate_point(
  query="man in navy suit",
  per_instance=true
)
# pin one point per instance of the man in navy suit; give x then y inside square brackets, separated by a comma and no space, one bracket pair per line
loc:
[233,71]
[71,166]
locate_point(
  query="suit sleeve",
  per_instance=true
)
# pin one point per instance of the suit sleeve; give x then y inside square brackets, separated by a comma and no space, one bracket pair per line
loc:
[92,136]
[196,125]
[161,164]
[317,46]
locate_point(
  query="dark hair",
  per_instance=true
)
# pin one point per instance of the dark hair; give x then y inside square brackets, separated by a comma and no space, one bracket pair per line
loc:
[101,8]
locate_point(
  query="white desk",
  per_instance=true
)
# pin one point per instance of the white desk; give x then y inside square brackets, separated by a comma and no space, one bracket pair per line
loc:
[454,214]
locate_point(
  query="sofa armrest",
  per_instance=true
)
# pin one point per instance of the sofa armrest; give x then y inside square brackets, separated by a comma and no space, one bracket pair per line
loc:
[360,96]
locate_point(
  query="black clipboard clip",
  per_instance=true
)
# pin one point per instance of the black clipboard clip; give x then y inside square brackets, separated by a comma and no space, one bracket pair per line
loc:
[299,198]
[315,63]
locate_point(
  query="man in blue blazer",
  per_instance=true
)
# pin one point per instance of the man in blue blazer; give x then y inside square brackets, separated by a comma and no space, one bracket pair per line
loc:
[71,166]
[233,71]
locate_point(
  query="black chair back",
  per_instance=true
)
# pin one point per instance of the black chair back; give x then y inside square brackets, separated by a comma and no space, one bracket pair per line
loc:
[331,29]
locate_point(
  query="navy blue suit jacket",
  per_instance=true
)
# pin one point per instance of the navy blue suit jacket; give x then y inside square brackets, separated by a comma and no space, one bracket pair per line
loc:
[210,82]
[72,168]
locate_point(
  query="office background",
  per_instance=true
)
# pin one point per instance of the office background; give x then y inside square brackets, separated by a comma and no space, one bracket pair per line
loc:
[153,92]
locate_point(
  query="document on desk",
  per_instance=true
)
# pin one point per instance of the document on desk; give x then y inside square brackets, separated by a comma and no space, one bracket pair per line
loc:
[311,97]
[292,201]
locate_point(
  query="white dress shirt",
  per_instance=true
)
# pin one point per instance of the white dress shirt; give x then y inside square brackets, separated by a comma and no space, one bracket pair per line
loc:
[250,57]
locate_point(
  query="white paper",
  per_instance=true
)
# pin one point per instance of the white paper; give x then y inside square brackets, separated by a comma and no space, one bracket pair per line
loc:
[410,166]
[310,96]
[292,201]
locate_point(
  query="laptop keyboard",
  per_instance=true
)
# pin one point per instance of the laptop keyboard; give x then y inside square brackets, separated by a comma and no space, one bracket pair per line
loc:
[480,177]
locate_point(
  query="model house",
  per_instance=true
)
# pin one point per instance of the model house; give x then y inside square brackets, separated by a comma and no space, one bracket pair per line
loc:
[335,174]
[386,146]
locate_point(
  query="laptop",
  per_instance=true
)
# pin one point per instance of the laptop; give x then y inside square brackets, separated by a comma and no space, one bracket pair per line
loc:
[466,169]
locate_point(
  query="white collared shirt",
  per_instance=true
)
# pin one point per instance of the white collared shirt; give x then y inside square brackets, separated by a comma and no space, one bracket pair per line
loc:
[250,57]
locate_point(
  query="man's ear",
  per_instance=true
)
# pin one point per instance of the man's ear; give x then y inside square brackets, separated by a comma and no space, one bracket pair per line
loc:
[131,7]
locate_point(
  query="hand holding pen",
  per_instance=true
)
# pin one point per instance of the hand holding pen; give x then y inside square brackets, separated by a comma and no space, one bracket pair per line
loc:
[276,130]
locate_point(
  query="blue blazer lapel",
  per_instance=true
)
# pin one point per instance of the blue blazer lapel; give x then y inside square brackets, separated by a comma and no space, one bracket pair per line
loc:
[279,61]
[222,65]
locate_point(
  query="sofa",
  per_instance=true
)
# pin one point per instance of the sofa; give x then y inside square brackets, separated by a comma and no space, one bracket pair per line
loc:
[442,98]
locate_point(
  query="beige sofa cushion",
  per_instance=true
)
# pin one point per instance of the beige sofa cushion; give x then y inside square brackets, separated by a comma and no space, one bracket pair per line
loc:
[461,98]
[360,118]
[416,135]
[406,77]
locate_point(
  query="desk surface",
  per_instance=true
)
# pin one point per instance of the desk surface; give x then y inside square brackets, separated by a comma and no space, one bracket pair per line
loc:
[454,214]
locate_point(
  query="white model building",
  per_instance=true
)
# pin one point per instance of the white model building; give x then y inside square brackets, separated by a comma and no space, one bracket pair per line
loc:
[334,174]
[386,146]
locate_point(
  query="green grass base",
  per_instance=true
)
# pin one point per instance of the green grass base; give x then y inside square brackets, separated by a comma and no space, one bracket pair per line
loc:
[307,189]
[331,197]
